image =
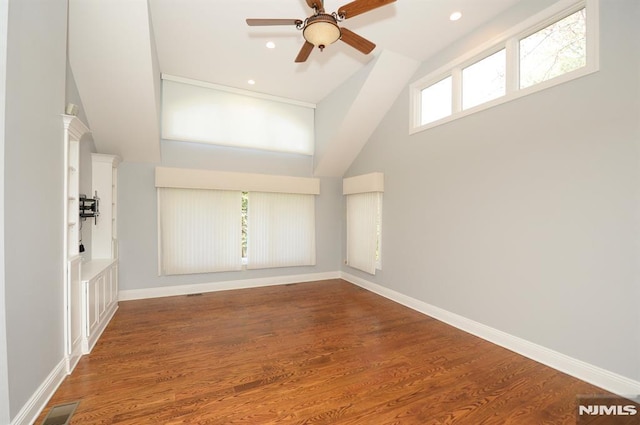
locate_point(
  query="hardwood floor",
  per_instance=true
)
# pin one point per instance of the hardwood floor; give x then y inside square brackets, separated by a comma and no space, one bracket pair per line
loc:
[309,353]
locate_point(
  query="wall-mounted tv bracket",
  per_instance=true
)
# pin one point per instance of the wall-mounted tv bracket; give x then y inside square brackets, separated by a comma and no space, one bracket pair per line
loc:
[90,207]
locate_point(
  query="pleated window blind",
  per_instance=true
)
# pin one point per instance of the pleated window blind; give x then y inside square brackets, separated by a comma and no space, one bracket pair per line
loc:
[281,230]
[200,230]
[194,111]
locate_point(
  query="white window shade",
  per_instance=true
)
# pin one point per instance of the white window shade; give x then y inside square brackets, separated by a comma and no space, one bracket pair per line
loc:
[281,230]
[217,115]
[364,231]
[364,220]
[200,230]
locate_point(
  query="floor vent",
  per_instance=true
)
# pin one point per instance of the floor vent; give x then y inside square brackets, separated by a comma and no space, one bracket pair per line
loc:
[193,295]
[61,414]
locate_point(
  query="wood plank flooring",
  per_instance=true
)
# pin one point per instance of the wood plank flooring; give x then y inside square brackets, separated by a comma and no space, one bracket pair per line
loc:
[311,353]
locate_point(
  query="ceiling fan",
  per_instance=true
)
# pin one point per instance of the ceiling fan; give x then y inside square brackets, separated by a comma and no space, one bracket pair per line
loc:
[321,29]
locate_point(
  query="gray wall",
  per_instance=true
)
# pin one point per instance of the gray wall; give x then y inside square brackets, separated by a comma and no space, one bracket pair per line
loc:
[524,216]
[4,376]
[33,173]
[137,209]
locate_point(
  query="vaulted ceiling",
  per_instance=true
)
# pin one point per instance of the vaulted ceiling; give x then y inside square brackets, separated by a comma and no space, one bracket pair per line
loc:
[118,50]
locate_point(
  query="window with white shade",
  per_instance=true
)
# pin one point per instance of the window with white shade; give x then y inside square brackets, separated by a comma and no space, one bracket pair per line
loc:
[212,221]
[200,230]
[364,231]
[364,221]
[280,230]
[194,111]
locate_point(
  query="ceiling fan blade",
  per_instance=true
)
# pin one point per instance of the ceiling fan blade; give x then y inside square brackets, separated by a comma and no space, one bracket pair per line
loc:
[269,22]
[304,52]
[358,7]
[316,4]
[356,41]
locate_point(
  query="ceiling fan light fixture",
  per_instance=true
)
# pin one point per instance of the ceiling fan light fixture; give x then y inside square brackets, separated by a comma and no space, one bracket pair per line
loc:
[321,30]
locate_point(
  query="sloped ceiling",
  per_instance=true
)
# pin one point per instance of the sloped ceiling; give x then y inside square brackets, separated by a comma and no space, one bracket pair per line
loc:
[366,107]
[111,55]
[119,48]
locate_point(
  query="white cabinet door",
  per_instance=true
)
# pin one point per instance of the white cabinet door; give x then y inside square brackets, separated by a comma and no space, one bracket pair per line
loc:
[107,287]
[74,313]
[92,303]
[102,305]
[100,300]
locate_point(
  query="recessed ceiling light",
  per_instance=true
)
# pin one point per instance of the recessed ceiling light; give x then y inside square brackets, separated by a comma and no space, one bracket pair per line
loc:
[252,82]
[271,45]
[455,16]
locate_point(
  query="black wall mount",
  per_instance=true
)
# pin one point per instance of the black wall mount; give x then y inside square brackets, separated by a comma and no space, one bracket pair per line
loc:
[90,207]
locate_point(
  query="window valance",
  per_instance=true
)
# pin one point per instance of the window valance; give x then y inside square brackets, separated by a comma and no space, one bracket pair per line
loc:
[372,182]
[224,180]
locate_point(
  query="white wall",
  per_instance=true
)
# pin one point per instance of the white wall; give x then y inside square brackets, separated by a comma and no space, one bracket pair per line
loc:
[137,226]
[33,173]
[525,216]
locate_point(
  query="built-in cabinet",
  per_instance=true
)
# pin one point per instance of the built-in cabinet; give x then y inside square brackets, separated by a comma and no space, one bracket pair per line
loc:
[99,299]
[90,284]
[100,274]
[74,129]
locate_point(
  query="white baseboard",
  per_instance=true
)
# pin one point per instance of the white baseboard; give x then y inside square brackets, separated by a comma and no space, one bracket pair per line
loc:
[32,408]
[597,376]
[138,294]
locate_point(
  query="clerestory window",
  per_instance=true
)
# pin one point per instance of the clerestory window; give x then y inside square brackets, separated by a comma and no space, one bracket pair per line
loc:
[555,46]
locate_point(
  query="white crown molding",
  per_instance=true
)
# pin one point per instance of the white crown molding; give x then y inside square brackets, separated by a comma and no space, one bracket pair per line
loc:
[74,126]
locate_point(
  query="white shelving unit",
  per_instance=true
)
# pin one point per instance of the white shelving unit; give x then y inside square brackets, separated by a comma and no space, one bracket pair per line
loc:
[74,129]
[100,275]
[104,182]
[91,287]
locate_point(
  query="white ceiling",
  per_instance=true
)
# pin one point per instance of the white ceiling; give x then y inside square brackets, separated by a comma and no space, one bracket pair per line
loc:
[208,40]
[119,48]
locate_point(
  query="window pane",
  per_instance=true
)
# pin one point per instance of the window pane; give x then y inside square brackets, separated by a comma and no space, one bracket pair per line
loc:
[484,80]
[436,101]
[554,50]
